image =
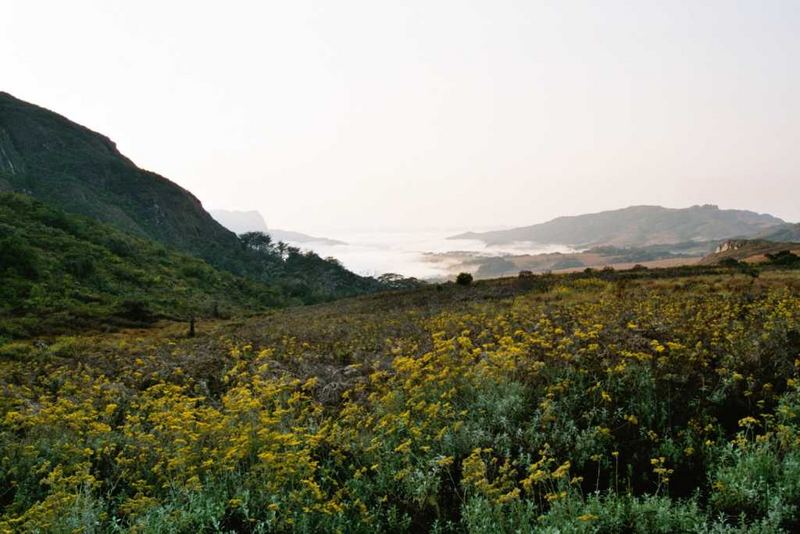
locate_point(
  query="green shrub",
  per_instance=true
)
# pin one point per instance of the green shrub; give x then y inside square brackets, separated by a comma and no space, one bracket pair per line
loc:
[16,350]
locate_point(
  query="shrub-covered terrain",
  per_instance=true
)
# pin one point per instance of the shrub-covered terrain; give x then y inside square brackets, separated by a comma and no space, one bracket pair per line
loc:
[585,403]
[71,168]
[61,272]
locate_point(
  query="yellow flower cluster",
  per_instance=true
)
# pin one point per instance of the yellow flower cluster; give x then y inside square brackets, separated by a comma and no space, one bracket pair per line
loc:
[380,414]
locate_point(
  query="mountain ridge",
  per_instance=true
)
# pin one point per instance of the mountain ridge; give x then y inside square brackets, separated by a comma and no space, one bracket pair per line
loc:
[640,225]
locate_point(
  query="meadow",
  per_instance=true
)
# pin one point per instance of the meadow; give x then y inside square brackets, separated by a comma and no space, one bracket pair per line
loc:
[660,402]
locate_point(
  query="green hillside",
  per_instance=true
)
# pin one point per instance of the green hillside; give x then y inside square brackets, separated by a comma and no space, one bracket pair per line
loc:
[66,165]
[60,271]
[70,167]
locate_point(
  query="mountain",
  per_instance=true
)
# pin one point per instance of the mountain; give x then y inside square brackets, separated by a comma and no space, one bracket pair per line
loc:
[61,272]
[252,221]
[636,226]
[57,161]
[70,167]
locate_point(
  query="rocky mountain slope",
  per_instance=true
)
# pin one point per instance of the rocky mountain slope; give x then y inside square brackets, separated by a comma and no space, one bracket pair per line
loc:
[748,250]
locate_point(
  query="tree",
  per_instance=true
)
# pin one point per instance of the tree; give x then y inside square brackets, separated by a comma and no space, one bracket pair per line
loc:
[282,249]
[784,257]
[464,279]
[398,281]
[258,241]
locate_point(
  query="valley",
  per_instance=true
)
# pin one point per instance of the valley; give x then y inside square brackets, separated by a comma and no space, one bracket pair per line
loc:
[411,267]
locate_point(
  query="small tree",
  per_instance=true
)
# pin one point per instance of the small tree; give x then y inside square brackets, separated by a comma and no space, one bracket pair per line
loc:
[258,241]
[464,279]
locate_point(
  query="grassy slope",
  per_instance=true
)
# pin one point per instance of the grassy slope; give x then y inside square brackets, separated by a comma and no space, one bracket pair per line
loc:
[60,272]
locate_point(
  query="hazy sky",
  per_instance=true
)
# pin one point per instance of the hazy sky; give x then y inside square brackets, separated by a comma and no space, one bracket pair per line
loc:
[332,115]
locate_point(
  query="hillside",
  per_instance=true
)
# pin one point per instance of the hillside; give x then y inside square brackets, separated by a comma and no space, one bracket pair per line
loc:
[636,226]
[72,168]
[61,272]
[240,222]
[749,250]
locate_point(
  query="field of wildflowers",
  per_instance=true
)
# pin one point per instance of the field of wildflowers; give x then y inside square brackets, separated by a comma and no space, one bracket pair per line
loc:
[578,405]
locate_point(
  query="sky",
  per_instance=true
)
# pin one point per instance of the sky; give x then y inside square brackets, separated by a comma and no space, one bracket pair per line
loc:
[376,115]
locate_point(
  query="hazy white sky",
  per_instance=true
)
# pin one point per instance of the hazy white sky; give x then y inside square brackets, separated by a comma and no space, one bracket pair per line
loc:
[337,115]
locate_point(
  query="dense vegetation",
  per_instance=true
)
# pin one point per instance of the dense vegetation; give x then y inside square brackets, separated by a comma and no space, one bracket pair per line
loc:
[60,272]
[647,401]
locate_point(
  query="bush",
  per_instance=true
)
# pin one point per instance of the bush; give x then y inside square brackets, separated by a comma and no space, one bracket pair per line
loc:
[464,279]
[16,350]
[784,257]
[17,256]
[137,311]
[673,406]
